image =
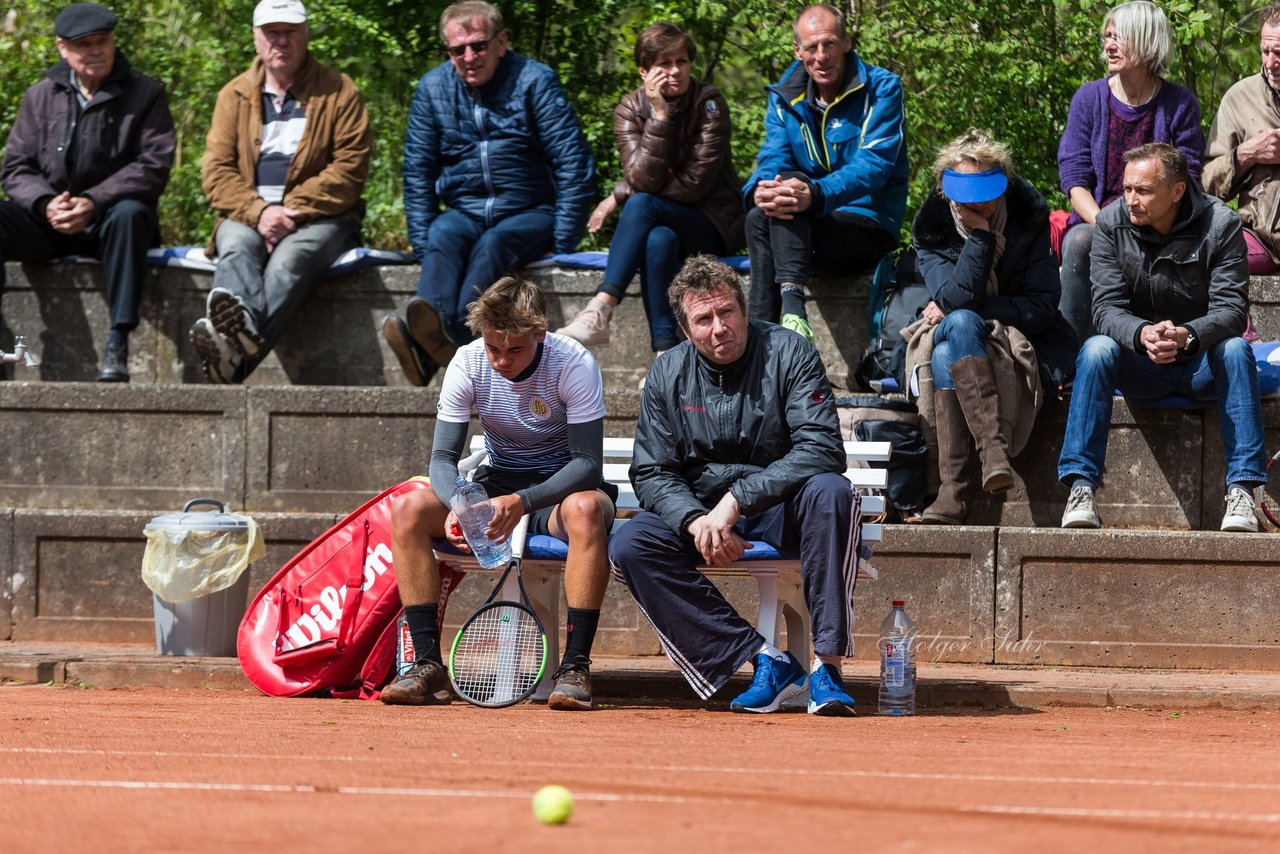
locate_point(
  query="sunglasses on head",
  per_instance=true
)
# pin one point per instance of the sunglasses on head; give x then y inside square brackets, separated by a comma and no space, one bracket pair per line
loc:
[477,47]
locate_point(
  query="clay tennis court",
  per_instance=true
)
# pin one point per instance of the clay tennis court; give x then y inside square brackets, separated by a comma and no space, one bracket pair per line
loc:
[157,770]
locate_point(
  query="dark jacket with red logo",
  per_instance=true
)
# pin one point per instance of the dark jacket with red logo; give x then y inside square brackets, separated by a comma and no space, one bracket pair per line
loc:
[758,428]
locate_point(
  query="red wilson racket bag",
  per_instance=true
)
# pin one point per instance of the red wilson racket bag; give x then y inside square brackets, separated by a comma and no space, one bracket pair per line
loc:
[326,623]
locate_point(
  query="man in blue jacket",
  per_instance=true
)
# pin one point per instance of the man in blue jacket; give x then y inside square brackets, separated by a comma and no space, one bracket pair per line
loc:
[831,186]
[492,137]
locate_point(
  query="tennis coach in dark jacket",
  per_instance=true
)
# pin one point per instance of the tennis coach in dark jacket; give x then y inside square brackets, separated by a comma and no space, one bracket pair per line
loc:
[738,440]
[84,166]
[493,138]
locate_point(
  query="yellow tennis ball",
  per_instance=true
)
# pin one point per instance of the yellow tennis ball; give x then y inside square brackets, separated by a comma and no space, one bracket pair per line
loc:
[553,805]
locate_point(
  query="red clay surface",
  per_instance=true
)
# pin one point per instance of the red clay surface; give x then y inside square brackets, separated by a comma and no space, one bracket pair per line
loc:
[156,770]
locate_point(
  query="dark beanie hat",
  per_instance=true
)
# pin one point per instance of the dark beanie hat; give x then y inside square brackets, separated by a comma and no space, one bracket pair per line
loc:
[83,19]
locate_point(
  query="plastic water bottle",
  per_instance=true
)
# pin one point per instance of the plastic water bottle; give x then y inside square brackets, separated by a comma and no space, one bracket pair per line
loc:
[472,507]
[897,662]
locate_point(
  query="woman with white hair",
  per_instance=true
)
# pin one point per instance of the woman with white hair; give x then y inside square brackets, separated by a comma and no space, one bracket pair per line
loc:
[993,324]
[1131,106]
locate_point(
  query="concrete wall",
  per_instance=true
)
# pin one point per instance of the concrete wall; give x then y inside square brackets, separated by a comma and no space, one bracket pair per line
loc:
[336,338]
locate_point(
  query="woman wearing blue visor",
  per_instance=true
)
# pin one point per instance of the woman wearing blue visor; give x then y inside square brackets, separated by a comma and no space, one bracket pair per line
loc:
[997,339]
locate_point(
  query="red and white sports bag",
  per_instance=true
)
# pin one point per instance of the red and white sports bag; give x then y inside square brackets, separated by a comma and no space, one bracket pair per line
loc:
[316,626]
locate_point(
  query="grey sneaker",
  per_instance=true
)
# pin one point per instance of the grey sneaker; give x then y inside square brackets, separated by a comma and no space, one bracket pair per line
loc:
[232,319]
[1080,512]
[1241,516]
[799,325]
[218,359]
[589,327]
[573,689]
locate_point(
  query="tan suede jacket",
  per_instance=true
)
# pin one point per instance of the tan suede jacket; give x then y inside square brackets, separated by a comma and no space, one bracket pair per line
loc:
[685,159]
[328,171]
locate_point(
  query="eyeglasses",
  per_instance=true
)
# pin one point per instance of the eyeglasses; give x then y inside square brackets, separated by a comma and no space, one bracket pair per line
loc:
[477,47]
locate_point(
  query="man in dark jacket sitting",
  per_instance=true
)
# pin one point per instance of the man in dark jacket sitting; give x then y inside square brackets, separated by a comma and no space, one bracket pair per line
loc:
[491,136]
[84,166]
[738,440]
[1170,302]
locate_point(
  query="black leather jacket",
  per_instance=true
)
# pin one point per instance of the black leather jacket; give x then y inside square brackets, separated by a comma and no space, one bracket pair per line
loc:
[758,428]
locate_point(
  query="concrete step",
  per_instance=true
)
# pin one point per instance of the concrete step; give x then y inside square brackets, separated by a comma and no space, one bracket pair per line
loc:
[653,678]
[336,338]
[978,594]
[326,449]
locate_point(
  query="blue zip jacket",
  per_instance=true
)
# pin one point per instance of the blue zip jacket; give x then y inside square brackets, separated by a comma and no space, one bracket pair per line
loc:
[855,153]
[512,145]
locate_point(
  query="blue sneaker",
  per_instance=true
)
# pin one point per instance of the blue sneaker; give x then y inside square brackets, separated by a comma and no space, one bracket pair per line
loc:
[776,680]
[827,694]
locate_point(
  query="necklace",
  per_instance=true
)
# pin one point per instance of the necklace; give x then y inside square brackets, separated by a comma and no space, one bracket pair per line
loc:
[1117,89]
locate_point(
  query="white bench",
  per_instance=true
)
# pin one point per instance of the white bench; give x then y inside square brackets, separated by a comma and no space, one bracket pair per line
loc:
[778,576]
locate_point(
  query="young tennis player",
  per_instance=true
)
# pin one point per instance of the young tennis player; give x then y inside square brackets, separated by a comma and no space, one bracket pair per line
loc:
[540,400]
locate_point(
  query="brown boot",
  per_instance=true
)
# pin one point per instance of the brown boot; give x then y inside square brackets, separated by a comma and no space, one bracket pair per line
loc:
[950,507]
[976,390]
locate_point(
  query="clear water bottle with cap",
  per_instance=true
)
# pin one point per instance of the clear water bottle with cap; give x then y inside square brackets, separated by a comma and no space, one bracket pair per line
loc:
[471,505]
[897,662]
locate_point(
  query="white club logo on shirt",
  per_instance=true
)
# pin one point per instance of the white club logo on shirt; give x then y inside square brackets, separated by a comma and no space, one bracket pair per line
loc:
[539,408]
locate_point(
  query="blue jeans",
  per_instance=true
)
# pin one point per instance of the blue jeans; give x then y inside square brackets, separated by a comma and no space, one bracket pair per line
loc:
[463,259]
[653,238]
[961,334]
[1226,373]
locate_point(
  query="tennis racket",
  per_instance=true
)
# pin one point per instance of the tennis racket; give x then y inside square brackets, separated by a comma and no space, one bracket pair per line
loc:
[499,656]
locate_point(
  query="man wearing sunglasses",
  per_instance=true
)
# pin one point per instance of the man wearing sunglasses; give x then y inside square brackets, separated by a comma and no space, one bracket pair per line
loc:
[491,136]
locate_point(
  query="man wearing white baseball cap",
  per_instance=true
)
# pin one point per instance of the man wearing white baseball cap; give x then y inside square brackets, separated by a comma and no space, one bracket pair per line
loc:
[285,164]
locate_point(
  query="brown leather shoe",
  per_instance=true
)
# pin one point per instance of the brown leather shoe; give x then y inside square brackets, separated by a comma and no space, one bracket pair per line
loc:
[573,690]
[426,684]
[418,368]
[427,328]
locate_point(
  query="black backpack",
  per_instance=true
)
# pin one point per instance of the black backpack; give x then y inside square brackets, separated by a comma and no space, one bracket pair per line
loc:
[897,298]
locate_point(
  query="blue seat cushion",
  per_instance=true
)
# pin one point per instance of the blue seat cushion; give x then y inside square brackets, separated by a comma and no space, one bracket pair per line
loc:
[547,547]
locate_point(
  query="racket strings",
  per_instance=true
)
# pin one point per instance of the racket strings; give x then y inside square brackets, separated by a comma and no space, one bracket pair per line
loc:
[499,655]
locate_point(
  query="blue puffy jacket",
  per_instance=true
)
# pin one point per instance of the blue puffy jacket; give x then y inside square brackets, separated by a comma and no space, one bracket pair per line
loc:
[512,145]
[855,154]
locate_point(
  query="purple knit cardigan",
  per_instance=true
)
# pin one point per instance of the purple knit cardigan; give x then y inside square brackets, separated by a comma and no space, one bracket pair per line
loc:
[1082,154]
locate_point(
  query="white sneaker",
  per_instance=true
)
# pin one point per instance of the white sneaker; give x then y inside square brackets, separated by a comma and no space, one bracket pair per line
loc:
[589,327]
[1080,512]
[1241,515]
[231,318]
[218,358]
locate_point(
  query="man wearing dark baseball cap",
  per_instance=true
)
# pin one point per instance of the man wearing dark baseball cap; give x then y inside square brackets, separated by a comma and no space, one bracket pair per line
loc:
[84,166]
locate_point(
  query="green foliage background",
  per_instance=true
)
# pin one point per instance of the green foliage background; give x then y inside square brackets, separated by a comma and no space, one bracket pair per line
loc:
[1008,65]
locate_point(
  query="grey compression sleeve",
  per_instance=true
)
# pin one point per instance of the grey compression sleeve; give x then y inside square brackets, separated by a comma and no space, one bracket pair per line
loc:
[446,450]
[583,471]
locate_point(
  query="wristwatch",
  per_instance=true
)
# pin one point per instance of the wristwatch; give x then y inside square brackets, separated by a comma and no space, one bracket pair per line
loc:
[1192,341]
